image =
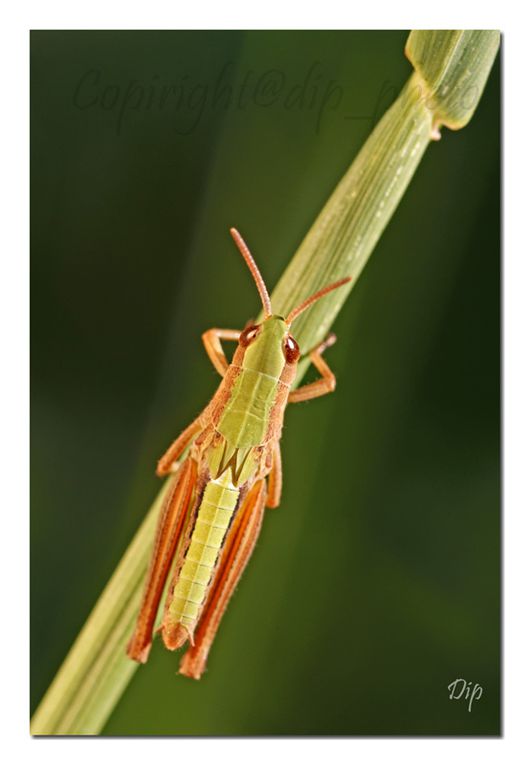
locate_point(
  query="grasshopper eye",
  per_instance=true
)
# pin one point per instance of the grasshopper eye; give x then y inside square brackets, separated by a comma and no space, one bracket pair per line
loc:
[291,350]
[248,335]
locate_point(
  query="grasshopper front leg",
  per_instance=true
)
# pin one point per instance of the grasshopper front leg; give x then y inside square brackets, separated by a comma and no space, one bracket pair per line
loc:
[212,342]
[325,384]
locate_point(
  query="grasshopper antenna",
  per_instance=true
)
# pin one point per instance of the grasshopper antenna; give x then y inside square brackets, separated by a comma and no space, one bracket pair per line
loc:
[313,298]
[254,270]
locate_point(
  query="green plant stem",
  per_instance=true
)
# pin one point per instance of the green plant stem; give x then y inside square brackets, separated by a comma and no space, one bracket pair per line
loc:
[451,69]
[96,671]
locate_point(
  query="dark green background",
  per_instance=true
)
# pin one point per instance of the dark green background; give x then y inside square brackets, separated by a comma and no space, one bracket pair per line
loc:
[377,581]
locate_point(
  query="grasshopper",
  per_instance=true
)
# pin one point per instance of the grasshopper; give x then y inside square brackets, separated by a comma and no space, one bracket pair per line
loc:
[227,469]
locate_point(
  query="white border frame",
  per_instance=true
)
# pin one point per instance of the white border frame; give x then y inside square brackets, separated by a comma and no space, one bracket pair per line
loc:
[14,306]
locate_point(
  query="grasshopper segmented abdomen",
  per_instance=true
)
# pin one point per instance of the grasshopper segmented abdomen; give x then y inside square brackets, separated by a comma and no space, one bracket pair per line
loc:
[185,601]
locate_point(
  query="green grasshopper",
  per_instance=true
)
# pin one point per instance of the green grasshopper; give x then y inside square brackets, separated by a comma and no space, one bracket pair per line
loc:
[227,467]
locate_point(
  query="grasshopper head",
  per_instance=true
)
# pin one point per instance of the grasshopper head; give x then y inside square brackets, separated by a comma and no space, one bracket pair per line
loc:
[269,345]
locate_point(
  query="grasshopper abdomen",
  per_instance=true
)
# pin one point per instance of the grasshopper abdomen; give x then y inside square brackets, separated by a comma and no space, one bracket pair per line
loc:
[187,595]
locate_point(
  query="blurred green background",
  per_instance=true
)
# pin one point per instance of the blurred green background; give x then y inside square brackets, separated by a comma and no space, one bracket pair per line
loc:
[377,581]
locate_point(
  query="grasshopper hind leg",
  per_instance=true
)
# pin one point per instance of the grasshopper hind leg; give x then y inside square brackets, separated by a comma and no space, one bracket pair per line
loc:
[169,530]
